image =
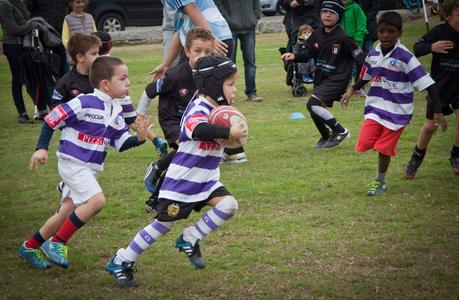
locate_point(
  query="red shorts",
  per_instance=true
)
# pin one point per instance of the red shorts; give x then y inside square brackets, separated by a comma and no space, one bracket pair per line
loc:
[375,136]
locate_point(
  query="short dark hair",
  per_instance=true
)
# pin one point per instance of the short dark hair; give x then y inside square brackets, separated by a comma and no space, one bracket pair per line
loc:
[447,7]
[391,18]
[103,68]
[198,33]
[80,43]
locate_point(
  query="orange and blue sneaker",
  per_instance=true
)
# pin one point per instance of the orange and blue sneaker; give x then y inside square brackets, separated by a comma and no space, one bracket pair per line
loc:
[193,252]
[34,257]
[56,253]
[123,273]
[160,146]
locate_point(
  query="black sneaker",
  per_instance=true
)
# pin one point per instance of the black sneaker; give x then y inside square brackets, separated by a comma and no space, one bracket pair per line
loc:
[455,164]
[336,138]
[321,142]
[124,273]
[193,252]
[411,168]
[24,119]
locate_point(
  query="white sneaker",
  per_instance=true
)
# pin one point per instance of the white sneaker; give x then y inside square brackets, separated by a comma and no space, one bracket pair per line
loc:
[237,158]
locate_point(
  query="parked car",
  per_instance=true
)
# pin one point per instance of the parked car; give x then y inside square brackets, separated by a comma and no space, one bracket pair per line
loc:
[115,15]
[271,7]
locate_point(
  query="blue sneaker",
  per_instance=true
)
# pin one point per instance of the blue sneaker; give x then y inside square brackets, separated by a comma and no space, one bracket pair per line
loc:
[308,79]
[56,253]
[123,273]
[34,256]
[160,146]
[152,177]
[193,252]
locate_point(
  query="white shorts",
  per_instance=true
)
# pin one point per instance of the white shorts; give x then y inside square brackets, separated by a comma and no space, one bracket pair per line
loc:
[80,181]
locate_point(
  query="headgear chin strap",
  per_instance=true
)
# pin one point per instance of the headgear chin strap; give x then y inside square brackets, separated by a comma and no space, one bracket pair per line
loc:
[209,74]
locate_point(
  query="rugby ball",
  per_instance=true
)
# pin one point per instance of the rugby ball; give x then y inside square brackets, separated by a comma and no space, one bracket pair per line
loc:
[225,115]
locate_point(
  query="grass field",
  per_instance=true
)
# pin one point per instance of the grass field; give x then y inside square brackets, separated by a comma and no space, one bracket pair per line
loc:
[305,228]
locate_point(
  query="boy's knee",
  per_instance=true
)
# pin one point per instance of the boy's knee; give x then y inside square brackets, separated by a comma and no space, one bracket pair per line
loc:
[312,102]
[97,201]
[228,205]
[430,126]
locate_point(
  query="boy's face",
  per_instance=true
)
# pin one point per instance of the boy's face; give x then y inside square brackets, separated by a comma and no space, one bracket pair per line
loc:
[229,88]
[328,18]
[388,35]
[453,20]
[88,58]
[305,34]
[78,6]
[199,48]
[118,85]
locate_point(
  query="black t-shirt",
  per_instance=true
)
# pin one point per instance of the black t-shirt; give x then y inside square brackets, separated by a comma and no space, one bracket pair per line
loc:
[445,67]
[334,54]
[71,85]
[175,92]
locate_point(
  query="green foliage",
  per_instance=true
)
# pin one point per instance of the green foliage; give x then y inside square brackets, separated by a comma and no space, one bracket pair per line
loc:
[305,228]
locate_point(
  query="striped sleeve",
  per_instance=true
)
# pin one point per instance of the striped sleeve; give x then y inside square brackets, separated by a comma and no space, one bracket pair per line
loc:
[63,114]
[194,120]
[418,75]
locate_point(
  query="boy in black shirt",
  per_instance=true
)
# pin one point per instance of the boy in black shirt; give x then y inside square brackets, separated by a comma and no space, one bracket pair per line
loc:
[443,42]
[334,53]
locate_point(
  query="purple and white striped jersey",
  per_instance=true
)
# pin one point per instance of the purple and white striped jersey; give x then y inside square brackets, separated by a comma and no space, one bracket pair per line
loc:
[90,123]
[194,172]
[393,79]
[126,105]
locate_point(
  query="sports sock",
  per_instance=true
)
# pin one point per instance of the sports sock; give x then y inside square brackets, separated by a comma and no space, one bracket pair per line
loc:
[334,125]
[318,113]
[70,226]
[381,177]
[164,162]
[35,241]
[142,240]
[454,151]
[418,154]
[231,151]
[211,220]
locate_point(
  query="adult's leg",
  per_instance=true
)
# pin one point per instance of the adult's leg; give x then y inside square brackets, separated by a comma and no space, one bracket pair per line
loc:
[248,41]
[12,53]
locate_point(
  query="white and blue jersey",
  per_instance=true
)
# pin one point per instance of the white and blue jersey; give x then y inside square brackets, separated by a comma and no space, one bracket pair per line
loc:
[194,172]
[90,124]
[219,26]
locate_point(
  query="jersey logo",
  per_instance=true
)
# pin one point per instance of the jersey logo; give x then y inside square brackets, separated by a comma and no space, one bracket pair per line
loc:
[173,210]
[209,146]
[89,139]
[74,93]
[394,64]
[194,120]
[335,48]
[56,116]
[183,92]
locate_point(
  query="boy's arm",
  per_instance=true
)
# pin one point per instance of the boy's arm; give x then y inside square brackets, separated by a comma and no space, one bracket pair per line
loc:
[40,155]
[209,132]
[422,47]
[174,49]
[136,140]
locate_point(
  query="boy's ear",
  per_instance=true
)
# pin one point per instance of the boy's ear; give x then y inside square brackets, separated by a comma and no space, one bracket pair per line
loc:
[104,85]
[79,57]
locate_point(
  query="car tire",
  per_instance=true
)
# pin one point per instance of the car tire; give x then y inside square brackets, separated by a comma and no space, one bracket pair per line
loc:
[269,13]
[110,22]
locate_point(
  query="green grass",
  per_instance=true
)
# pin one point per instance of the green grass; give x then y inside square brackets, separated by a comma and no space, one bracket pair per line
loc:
[305,228]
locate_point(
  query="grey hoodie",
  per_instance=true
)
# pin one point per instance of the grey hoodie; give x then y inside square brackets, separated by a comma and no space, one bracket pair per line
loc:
[14,17]
[241,15]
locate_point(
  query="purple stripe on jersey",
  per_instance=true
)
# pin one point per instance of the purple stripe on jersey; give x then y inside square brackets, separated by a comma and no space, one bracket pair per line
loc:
[402,55]
[160,227]
[399,98]
[388,74]
[147,237]
[385,115]
[82,154]
[417,73]
[90,128]
[127,108]
[373,52]
[135,247]
[69,111]
[186,187]
[187,160]
[221,214]
[199,229]
[91,101]
[209,221]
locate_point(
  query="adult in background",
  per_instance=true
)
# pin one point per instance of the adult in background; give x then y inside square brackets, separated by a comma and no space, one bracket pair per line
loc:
[14,17]
[297,13]
[371,9]
[242,17]
[54,12]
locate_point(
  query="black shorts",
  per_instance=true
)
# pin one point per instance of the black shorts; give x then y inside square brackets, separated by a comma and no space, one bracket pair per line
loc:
[446,109]
[170,210]
[329,95]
